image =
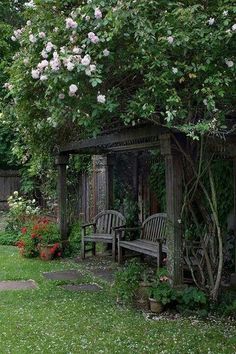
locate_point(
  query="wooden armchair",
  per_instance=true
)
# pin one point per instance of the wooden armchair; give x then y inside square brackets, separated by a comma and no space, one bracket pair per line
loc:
[103,230]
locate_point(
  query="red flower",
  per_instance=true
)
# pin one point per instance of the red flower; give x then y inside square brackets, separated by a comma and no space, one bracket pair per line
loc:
[33,236]
[24,230]
[59,254]
[43,254]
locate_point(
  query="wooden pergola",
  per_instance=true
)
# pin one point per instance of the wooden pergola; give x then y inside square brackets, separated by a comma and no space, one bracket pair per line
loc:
[138,138]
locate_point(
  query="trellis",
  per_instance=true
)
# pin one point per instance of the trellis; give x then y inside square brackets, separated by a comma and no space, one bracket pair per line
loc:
[135,139]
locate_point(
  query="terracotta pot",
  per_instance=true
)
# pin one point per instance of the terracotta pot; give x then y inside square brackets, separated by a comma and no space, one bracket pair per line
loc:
[142,296]
[155,306]
[45,252]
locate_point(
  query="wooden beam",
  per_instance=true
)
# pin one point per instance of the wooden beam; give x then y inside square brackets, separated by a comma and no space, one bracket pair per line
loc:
[61,162]
[173,166]
[122,137]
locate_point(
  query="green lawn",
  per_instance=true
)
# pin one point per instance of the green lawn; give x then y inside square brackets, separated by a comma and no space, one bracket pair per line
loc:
[51,320]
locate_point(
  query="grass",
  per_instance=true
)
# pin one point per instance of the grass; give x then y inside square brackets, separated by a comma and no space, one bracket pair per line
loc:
[52,320]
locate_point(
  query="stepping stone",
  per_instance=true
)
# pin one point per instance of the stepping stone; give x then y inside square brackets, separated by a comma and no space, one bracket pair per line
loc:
[63,275]
[105,274]
[18,285]
[83,287]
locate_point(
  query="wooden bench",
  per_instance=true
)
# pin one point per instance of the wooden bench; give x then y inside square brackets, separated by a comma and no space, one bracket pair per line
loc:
[103,230]
[151,241]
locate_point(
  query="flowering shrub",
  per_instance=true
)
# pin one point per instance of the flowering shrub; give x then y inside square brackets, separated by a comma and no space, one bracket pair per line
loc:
[38,235]
[21,210]
[87,62]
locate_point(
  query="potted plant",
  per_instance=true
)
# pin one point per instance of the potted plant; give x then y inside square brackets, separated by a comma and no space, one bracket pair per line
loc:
[49,245]
[161,293]
[40,238]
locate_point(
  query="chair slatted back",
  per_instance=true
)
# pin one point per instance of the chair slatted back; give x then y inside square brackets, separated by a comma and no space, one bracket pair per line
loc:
[154,227]
[108,219]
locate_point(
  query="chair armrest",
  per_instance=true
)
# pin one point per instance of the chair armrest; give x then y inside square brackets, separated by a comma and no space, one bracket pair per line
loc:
[118,227]
[123,228]
[89,224]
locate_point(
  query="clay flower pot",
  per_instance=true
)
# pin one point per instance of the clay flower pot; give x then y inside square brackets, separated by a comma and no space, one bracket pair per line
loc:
[45,252]
[155,306]
[142,296]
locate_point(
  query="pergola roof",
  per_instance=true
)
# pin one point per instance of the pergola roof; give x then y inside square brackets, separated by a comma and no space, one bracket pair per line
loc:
[131,138]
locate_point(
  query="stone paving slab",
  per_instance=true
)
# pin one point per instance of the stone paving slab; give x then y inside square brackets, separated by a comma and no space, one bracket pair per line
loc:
[83,287]
[17,285]
[105,274]
[63,275]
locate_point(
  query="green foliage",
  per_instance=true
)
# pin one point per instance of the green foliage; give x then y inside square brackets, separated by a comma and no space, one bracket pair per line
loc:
[74,239]
[157,178]
[127,281]
[153,64]
[163,293]
[192,299]
[9,238]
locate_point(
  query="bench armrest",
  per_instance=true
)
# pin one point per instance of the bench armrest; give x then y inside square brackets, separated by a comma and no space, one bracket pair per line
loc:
[121,231]
[89,224]
[118,227]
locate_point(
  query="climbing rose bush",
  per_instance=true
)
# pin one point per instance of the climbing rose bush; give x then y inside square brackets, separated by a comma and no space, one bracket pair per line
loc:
[83,65]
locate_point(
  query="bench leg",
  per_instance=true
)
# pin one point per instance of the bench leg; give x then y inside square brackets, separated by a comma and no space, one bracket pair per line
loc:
[114,249]
[82,249]
[159,254]
[94,248]
[120,255]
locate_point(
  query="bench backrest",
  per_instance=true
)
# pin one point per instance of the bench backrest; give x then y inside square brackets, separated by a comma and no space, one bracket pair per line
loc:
[108,219]
[154,227]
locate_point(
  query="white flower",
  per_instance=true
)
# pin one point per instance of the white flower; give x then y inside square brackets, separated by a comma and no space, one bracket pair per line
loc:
[29,23]
[42,35]
[106,52]
[77,50]
[49,47]
[26,61]
[18,33]
[32,38]
[55,30]
[35,74]
[98,13]
[170,39]
[70,66]
[88,72]
[43,77]
[87,18]
[61,96]
[16,193]
[234,27]
[205,102]
[44,64]
[44,54]
[101,99]
[211,21]
[86,60]
[229,63]
[225,13]
[73,89]
[30,4]
[70,23]
[13,38]
[63,50]
[174,70]
[93,38]
[55,64]
[92,68]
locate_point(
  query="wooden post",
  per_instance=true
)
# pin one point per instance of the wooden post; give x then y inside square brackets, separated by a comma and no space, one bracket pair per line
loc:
[62,162]
[173,166]
[110,184]
[233,276]
[100,184]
